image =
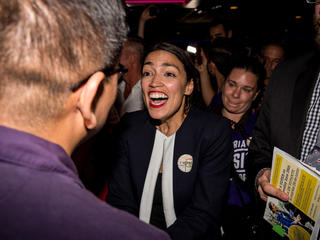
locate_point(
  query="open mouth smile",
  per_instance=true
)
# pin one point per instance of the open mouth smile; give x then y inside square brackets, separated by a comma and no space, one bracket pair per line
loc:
[157,99]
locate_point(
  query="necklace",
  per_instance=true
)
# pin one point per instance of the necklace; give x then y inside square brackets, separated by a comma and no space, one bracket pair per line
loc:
[233,123]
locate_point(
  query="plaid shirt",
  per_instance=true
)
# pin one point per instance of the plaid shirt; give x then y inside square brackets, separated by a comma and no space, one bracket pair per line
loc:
[312,124]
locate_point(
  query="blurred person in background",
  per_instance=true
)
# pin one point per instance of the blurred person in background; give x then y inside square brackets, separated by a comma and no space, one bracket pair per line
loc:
[239,91]
[272,53]
[219,28]
[129,97]
[214,65]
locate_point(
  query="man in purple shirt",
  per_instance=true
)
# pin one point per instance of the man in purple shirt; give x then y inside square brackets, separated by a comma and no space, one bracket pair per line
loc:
[58,82]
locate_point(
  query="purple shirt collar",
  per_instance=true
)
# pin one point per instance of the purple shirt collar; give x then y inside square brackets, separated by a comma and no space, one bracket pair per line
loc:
[28,150]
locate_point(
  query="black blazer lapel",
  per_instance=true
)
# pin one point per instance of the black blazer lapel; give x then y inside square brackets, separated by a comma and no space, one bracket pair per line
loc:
[142,145]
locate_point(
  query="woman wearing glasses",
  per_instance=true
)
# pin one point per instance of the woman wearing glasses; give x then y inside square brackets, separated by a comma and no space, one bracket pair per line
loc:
[172,160]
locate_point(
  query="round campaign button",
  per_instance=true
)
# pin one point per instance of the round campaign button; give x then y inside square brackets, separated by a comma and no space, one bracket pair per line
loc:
[185,163]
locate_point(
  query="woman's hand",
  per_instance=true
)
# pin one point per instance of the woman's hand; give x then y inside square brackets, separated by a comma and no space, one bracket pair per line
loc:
[144,17]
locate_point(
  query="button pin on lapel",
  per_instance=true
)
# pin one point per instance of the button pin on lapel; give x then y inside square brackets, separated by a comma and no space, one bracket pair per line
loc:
[185,162]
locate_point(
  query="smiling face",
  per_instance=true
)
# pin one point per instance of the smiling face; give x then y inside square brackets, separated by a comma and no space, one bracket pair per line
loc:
[164,85]
[239,91]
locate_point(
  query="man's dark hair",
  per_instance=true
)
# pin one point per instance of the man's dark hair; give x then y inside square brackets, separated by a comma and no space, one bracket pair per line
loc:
[48,45]
[221,53]
[219,20]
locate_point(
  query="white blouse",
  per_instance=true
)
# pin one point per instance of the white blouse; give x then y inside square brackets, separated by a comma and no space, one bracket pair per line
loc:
[162,152]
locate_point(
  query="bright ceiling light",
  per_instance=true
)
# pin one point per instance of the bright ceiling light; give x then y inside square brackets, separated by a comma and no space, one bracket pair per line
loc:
[191,49]
[192,4]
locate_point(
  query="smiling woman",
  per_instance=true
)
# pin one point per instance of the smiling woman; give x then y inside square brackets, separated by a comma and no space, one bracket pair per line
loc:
[166,86]
[172,160]
[239,91]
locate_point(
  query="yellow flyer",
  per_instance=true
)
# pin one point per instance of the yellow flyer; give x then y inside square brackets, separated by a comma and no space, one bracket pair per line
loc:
[298,218]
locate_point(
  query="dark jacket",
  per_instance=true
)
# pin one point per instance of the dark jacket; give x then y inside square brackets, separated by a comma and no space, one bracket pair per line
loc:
[283,115]
[199,194]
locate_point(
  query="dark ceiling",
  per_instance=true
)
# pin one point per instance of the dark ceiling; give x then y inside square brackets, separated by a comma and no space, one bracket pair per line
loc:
[255,20]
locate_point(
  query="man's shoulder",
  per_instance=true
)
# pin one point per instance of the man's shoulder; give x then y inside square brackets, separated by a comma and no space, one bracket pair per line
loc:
[112,222]
[299,62]
[57,207]
[115,223]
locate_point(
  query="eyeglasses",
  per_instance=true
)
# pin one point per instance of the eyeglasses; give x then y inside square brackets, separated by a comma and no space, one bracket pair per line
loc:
[122,70]
[313,1]
[107,72]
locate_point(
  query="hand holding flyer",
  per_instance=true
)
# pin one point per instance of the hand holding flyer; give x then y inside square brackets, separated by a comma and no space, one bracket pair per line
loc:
[296,219]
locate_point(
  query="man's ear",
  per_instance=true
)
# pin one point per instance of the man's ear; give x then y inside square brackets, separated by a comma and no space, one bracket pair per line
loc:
[229,35]
[189,88]
[89,93]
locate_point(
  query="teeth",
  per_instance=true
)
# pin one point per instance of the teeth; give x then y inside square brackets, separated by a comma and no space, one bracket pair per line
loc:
[157,103]
[158,96]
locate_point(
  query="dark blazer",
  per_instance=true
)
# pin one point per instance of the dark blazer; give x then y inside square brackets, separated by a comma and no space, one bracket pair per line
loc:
[199,195]
[283,115]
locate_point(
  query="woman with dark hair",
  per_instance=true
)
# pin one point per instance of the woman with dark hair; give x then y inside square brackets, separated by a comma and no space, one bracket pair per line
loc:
[172,160]
[239,92]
